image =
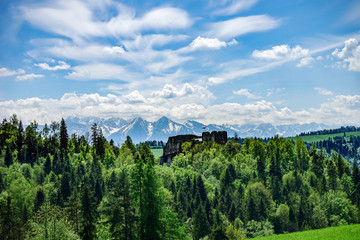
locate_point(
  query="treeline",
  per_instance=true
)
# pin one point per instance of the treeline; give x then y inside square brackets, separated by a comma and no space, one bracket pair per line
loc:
[348,147]
[332,131]
[56,186]
[152,144]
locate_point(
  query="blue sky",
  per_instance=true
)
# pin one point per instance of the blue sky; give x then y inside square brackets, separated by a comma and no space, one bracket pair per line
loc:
[225,61]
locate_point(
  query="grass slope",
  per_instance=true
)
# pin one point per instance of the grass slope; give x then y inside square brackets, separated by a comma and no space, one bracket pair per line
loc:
[157,152]
[351,232]
[316,138]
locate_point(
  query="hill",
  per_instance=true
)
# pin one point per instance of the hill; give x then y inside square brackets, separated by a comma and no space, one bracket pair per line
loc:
[334,233]
[343,140]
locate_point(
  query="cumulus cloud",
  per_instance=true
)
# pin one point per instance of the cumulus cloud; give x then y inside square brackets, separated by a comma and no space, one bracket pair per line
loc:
[245,92]
[135,97]
[207,43]
[234,6]
[232,42]
[242,25]
[28,77]
[61,66]
[5,72]
[306,61]
[338,110]
[323,91]
[171,91]
[216,80]
[350,54]
[281,52]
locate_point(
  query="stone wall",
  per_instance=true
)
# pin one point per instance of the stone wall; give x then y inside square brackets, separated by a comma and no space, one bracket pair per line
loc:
[173,145]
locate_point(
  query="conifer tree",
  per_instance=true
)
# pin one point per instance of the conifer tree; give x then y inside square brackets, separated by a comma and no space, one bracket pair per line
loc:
[39,199]
[8,157]
[87,231]
[201,226]
[47,165]
[64,137]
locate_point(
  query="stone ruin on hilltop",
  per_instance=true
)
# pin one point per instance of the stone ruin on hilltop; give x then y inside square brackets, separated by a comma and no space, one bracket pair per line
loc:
[173,145]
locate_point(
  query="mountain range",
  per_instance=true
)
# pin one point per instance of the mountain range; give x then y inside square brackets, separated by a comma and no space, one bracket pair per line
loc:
[141,130]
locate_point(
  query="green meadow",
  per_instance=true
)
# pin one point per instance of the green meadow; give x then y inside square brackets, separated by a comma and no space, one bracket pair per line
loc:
[316,138]
[334,233]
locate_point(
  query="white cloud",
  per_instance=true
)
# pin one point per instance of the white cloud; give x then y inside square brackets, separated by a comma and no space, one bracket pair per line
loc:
[306,61]
[323,91]
[5,72]
[216,80]
[207,43]
[338,110]
[235,6]
[45,66]
[135,97]
[114,50]
[100,72]
[273,91]
[112,88]
[232,42]
[170,91]
[81,20]
[350,54]
[28,77]
[245,92]
[281,52]
[242,25]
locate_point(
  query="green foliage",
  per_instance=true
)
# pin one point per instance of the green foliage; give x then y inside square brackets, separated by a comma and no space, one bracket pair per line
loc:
[51,184]
[50,222]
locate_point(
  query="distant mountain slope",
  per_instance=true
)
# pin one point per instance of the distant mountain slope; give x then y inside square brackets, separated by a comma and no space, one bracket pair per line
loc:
[141,130]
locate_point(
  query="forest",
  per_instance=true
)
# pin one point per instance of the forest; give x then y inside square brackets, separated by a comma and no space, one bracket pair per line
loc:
[59,186]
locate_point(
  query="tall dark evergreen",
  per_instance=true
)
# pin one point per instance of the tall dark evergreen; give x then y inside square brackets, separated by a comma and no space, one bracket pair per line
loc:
[47,165]
[88,215]
[8,157]
[39,199]
[201,226]
[64,137]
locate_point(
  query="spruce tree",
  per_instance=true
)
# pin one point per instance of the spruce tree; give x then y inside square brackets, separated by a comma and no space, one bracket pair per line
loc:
[8,157]
[201,226]
[64,137]
[47,165]
[87,231]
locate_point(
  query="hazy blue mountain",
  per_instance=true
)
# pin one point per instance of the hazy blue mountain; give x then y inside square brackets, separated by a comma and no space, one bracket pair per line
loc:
[141,130]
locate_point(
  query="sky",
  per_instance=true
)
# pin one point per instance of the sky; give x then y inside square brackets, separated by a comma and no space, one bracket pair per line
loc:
[215,61]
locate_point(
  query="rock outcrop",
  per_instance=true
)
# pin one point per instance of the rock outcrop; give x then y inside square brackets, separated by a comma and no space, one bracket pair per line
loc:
[173,145]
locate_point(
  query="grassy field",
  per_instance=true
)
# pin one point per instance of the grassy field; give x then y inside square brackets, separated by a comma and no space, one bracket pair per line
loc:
[157,152]
[351,232]
[316,138]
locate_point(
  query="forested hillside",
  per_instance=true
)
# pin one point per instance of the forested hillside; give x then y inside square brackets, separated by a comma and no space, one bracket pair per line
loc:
[56,186]
[344,140]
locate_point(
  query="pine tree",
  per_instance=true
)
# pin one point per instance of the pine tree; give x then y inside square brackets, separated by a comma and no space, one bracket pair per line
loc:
[127,232]
[20,142]
[152,203]
[87,231]
[332,175]
[47,165]
[8,157]
[64,137]
[39,199]
[201,188]
[73,208]
[65,186]
[356,185]
[201,226]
